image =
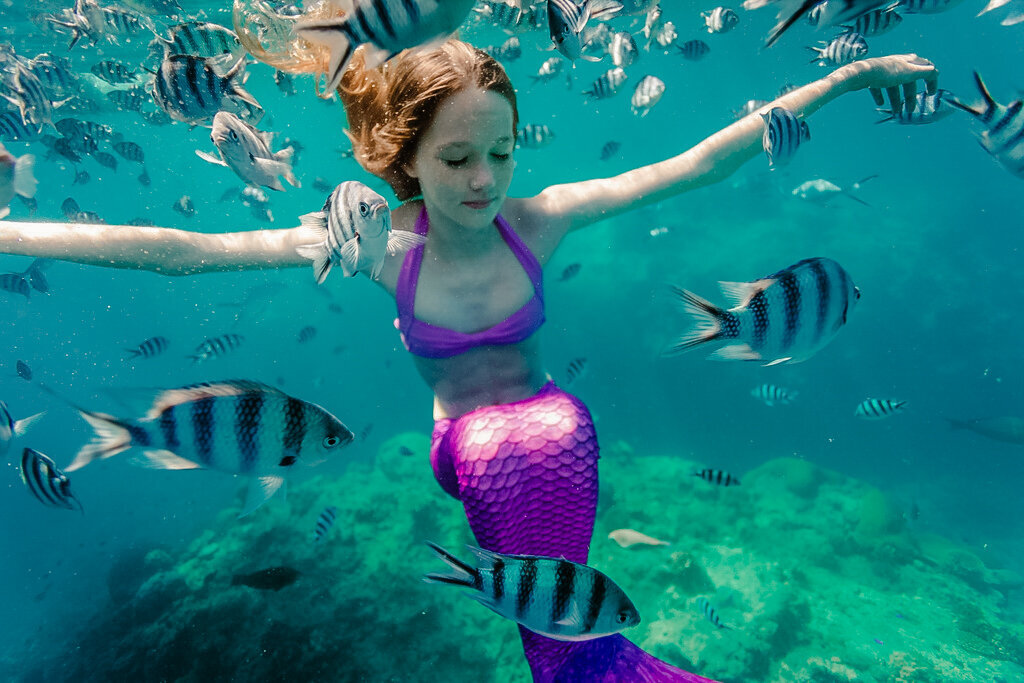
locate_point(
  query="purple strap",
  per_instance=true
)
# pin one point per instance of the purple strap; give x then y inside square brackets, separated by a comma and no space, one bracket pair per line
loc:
[432,341]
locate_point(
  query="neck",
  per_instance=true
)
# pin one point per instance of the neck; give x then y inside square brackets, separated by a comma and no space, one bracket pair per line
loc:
[453,241]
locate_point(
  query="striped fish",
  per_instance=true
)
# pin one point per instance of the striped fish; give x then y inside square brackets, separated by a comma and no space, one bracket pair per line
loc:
[610,149]
[46,483]
[324,523]
[105,159]
[246,151]
[14,129]
[720,20]
[694,50]
[783,135]
[353,231]
[876,22]
[607,84]
[504,15]
[831,13]
[15,284]
[652,23]
[306,334]
[843,49]
[214,347]
[709,612]
[926,109]
[130,151]
[667,36]
[384,27]
[555,598]
[576,370]
[11,428]
[112,72]
[719,477]
[567,20]
[509,51]
[56,74]
[29,96]
[548,70]
[23,370]
[191,89]
[130,99]
[878,408]
[150,348]
[569,272]
[771,395]
[534,136]
[786,317]
[239,427]
[647,93]
[1003,137]
[200,39]
[622,49]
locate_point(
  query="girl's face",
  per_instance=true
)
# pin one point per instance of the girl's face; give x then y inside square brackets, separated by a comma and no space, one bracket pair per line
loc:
[464,159]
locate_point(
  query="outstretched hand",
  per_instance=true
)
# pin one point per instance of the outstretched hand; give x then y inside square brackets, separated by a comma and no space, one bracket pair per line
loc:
[897,75]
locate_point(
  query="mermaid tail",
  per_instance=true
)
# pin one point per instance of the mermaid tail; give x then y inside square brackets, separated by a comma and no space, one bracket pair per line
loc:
[526,473]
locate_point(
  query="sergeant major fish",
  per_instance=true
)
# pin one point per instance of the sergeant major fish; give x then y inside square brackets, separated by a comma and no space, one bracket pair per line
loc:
[192,90]
[239,426]
[709,612]
[246,151]
[1003,136]
[843,49]
[567,20]
[353,231]
[783,135]
[785,317]
[647,93]
[879,408]
[383,27]
[324,523]
[771,395]
[718,477]
[720,20]
[556,598]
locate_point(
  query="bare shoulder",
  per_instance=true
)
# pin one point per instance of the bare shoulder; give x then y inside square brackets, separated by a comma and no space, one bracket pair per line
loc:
[529,217]
[402,218]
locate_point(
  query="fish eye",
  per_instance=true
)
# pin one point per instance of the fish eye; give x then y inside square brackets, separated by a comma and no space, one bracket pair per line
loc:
[233,135]
[622,617]
[332,441]
[856,292]
[364,208]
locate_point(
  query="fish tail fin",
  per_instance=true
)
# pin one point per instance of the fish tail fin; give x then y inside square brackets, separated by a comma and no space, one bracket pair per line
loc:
[24,179]
[111,437]
[464,574]
[709,321]
[984,111]
[855,198]
[782,26]
[331,34]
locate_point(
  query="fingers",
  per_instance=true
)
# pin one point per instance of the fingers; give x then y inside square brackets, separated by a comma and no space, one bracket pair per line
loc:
[910,96]
[894,98]
[932,82]
[877,94]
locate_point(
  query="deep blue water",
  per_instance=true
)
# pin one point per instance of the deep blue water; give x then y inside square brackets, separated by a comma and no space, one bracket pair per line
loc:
[936,256]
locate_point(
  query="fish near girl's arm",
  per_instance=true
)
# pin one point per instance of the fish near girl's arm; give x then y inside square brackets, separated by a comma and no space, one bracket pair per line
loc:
[162,250]
[563,208]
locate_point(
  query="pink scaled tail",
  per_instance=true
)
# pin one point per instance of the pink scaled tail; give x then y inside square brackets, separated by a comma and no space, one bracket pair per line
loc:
[526,473]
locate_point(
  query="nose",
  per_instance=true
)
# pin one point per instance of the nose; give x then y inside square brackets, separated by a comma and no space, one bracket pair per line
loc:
[482,177]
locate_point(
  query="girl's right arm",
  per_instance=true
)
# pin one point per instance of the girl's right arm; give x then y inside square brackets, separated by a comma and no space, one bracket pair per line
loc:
[162,250]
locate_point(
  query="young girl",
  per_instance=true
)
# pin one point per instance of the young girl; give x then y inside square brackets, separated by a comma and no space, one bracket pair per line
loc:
[439,125]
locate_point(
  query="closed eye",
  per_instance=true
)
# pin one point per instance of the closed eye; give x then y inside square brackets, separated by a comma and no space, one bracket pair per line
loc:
[501,157]
[456,163]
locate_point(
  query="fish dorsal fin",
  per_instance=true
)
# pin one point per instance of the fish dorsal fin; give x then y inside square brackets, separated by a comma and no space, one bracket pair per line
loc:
[485,558]
[316,223]
[401,241]
[261,489]
[194,392]
[740,293]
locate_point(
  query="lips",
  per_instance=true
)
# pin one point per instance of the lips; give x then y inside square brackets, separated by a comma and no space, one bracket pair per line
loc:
[479,204]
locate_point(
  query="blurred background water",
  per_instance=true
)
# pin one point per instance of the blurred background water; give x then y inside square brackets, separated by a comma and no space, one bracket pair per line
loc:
[936,256]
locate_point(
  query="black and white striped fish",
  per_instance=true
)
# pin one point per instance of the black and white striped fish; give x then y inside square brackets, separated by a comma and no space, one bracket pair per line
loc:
[215,347]
[504,15]
[353,230]
[694,50]
[720,20]
[622,49]
[11,428]
[556,598]
[785,317]
[718,477]
[534,136]
[567,20]
[15,284]
[130,99]
[772,395]
[239,426]
[46,482]
[324,523]
[607,84]
[105,159]
[927,6]
[56,74]
[246,151]
[569,272]
[384,27]
[14,129]
[130,151]
[610,149]
[29,96]
[23,370]
[709,612]
[306,334]
[113,72]
[647,93]
[509,51]
[200,39]
[150,348]
[185,206]
[783,135]
[548,70]
[830,13]
[876,22]
[843,49]
[652,23]
[576,370]
[1003,136]
[878,408]
[666,36]
[192,90]
[927,109]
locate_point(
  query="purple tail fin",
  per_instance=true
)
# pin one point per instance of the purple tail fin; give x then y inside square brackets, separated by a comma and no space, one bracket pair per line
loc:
[530,487]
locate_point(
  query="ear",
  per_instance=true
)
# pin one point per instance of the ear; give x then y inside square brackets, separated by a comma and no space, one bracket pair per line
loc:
[409,171]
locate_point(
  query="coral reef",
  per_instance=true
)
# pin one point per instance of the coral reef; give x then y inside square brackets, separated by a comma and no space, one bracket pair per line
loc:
[814,575]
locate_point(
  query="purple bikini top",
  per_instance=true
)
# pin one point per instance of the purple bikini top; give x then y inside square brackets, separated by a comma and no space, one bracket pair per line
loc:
[430,341]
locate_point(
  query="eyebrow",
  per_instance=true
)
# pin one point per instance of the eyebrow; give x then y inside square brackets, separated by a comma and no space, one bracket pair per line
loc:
[466,143]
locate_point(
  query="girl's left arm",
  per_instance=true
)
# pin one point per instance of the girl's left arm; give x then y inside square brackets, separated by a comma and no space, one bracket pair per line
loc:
[563,208]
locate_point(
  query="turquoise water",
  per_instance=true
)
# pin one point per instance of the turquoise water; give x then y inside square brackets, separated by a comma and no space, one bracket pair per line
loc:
[935,256]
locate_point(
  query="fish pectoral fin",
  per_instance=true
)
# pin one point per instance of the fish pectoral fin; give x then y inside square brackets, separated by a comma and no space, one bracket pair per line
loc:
[735,352]
[401,241]
[26,423]
[206,156]
[350,257]
[261,489]
[779,361]
[166,460]
[573,619]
